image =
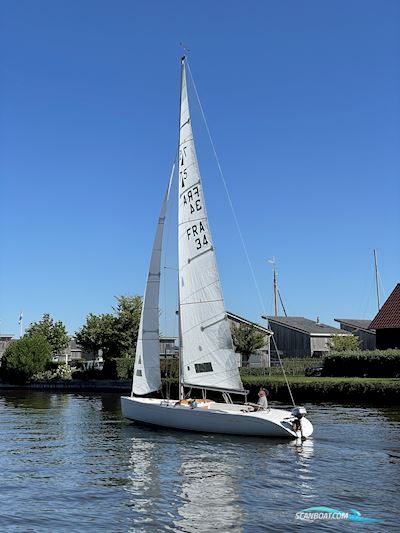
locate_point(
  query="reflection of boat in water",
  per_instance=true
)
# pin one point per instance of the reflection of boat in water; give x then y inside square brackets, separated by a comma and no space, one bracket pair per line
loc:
[202,473]
[167,470]
[207,358]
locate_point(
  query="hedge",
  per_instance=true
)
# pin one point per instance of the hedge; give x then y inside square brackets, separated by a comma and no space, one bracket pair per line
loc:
[294,366]
[122,368]
[374,363]
[337,389]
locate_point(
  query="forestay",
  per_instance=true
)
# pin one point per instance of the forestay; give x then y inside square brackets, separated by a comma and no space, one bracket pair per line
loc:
[207,355]
[147,377]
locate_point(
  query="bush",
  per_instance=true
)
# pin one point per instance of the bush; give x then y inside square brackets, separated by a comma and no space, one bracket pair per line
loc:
[59,371]
[169,368]
[344,343]
[118,368]
[122,368]
[91,373]
[24,358]
[376,363]
[125,367]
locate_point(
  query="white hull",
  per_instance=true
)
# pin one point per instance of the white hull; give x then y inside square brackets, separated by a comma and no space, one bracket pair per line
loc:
[212,417]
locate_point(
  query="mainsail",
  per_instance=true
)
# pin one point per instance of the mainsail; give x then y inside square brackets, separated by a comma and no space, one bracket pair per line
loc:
[207,356]
[147,377]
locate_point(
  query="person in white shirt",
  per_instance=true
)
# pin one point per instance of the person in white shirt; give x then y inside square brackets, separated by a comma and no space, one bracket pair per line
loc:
[262,399]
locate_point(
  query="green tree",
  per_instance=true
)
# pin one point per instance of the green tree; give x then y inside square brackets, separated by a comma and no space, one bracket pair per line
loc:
[54,332]
[247,340]
[344,343]
[25,357]
[128,311]
[100,333]
[115,334]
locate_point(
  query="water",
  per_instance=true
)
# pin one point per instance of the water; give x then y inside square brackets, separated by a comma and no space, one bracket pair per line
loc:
[70,463]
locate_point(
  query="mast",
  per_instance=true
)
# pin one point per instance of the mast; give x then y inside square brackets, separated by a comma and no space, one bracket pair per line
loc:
[181,387]
[376,279]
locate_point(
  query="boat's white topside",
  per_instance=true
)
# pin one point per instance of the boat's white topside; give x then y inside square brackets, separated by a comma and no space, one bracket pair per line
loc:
[213,417]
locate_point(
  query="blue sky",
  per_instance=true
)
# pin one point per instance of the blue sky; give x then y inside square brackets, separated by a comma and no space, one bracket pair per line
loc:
[302,99]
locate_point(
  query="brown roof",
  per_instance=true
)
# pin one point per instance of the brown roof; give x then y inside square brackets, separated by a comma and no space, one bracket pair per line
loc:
[389,315]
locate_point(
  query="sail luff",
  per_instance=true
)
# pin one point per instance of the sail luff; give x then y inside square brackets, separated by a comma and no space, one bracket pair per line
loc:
[146,375]
[208,359]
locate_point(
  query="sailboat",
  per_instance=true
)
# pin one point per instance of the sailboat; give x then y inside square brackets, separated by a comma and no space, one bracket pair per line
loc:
[207,359]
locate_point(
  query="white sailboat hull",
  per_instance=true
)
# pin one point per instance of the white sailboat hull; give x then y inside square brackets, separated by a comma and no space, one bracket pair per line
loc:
[213,418]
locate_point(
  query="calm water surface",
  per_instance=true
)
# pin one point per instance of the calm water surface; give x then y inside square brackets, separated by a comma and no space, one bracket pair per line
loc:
[69,462]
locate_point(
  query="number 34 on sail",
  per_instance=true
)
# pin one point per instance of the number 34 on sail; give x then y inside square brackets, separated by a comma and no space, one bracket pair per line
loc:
[207,359]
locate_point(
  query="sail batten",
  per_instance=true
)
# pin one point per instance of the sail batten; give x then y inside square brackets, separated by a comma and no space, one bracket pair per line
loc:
[207,356]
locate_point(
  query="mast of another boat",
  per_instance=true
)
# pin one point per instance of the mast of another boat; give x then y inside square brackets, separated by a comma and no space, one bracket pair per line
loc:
[377,279]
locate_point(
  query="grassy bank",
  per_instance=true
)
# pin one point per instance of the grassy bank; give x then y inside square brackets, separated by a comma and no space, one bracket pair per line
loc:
[337,389]
[305,389]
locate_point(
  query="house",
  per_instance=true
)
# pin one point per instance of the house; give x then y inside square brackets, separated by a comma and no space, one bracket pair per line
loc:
[359,328]
[74,352]
[387,322]
[168,347]
[296,336]
[5,340]
[262,357]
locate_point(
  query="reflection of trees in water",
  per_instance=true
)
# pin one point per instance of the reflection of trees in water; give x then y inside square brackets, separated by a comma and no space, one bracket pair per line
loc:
[111,403]
[391,413]
[28,399]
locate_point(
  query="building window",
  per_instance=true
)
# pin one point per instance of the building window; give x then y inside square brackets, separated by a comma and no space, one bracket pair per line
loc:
[138,372]
[203,367]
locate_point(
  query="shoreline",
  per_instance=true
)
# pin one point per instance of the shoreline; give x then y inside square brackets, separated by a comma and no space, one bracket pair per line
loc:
[313,389]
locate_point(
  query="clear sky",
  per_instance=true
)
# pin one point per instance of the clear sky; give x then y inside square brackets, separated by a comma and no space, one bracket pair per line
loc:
[303,102]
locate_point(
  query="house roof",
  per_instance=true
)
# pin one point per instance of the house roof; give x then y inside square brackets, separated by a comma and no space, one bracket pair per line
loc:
[238,318]
[355,323]
[305,325]
[389,314]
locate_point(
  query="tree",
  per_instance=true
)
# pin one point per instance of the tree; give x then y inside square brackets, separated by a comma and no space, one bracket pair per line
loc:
[54,332]
[128,311]
[25,357]
[116,334]
[343,343]
[247,340]
[100,333]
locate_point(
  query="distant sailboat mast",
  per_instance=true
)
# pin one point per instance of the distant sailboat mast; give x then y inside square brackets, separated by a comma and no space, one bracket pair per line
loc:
[377,279]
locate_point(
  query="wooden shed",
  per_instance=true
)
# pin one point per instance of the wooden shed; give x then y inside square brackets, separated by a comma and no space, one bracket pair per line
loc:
[359,328]
[297,336]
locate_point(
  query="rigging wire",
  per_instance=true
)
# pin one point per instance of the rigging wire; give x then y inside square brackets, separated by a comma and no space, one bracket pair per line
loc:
[243,243]
[227,191]
[280,299]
